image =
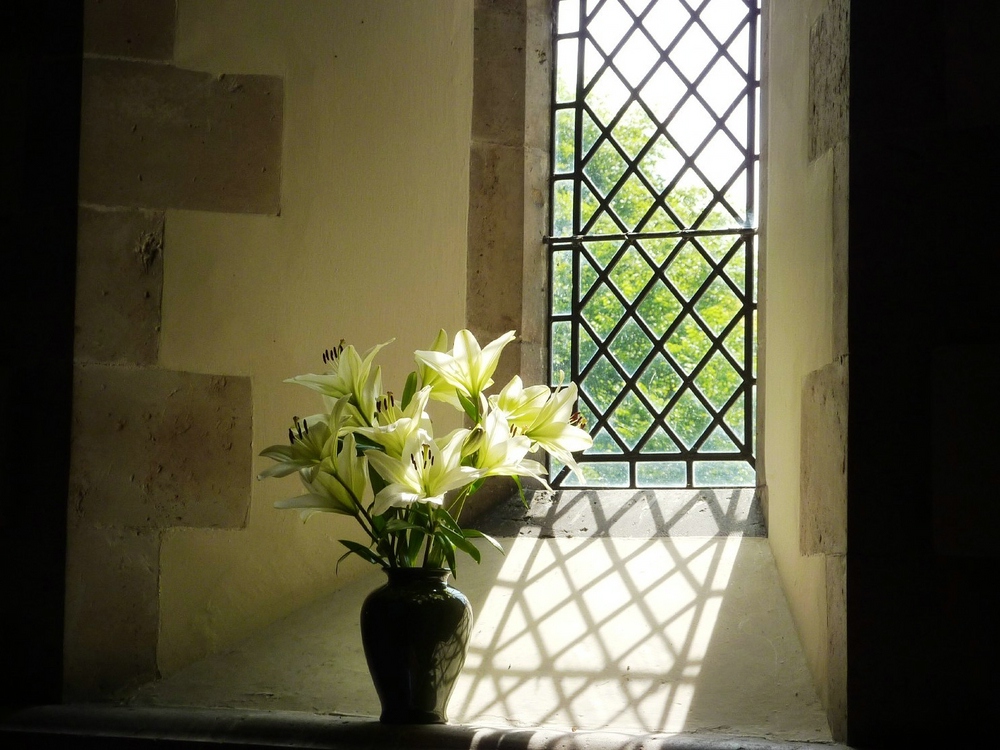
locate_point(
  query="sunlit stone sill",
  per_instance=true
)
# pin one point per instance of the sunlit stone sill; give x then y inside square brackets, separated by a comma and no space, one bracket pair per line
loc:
[140,727]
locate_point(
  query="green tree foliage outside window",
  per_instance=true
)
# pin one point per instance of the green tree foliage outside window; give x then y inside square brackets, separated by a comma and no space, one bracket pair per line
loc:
[649,271]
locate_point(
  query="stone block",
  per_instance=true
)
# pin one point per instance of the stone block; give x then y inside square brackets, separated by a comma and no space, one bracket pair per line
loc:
[823,485]
[496,227]
[136,29]
[841,227]
[538,74]
[829,77]
[498,73]
[155,136]
[112,610]
[119,285]
[157,448]
[836,629]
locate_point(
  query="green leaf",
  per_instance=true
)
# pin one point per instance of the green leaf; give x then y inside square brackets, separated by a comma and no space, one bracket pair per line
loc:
[413,546]
[458,540]
[476,534]
[409,389]
[449,553]
[399,524]
[470,408]
[361,551]
[520,490]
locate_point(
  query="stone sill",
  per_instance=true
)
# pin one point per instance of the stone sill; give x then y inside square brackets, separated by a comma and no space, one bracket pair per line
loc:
[139,727]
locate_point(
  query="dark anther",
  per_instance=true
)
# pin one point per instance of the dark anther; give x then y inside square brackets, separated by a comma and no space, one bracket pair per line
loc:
[291,436]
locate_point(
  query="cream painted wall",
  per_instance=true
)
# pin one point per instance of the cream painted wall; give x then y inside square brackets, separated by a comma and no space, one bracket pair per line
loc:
[796,308]
[370,245]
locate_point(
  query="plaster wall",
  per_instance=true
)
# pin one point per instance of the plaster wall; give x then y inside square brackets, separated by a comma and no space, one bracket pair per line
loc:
[259,179]
[370,244]
[803,334]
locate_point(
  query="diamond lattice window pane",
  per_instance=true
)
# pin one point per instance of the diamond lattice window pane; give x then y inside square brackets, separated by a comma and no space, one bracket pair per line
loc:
[689,419]
[560,349]
[665,21]
[630,420]
[693,52]
[562,207]
[588,348]
[659,382]
[589,134]
[605,168]
[718,305]
[659,248]
[603,312]
[691,125]
[661,221]
[690,200]
[588,276]
[660,442]
[736,342]
[651,220]
[719,442]
[735,416]
[688,271]
[631,274]
[603,251]
[718,246]
[722,86]
[607,97]
[636,58]
[718,381]
[688,345]
[722,17]
[634,130]
[631,202]
[566,70]
[661,474]
[659,308]
[661,164]
[603,384]
[723,474]
[588,203]
[604,444]
[609,25]
[736,269]
[630,347]
[739,47]
[562,283]
[663,92]
[565,146]
[721,160]
[569,16]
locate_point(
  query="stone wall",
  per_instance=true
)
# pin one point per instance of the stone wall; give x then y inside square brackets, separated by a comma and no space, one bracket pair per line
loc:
[152,448]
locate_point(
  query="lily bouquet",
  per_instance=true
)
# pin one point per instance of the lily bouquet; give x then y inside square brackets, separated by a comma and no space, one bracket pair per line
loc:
[375,457]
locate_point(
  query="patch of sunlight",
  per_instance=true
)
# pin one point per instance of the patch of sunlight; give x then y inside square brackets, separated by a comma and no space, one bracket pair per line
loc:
[595,633]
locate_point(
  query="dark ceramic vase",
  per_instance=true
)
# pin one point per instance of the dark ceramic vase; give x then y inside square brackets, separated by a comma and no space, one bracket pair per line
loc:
[415,631]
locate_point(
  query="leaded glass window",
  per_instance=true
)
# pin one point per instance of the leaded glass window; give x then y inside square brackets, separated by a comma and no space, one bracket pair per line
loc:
[652,240]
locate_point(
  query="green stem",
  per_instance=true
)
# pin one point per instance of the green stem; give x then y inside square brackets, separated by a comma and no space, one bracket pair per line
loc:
[459,502]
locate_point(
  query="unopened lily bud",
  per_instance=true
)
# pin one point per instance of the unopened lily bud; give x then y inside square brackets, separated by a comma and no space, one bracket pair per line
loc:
[474,441]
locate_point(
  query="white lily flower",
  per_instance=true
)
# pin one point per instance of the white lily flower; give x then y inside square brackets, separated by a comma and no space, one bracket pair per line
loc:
[339,486]
[520,405]
[424,472]
[349,375]
[308,440]
[501,453]
[441,389]
[467,368]
[554,429]
[393,427]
